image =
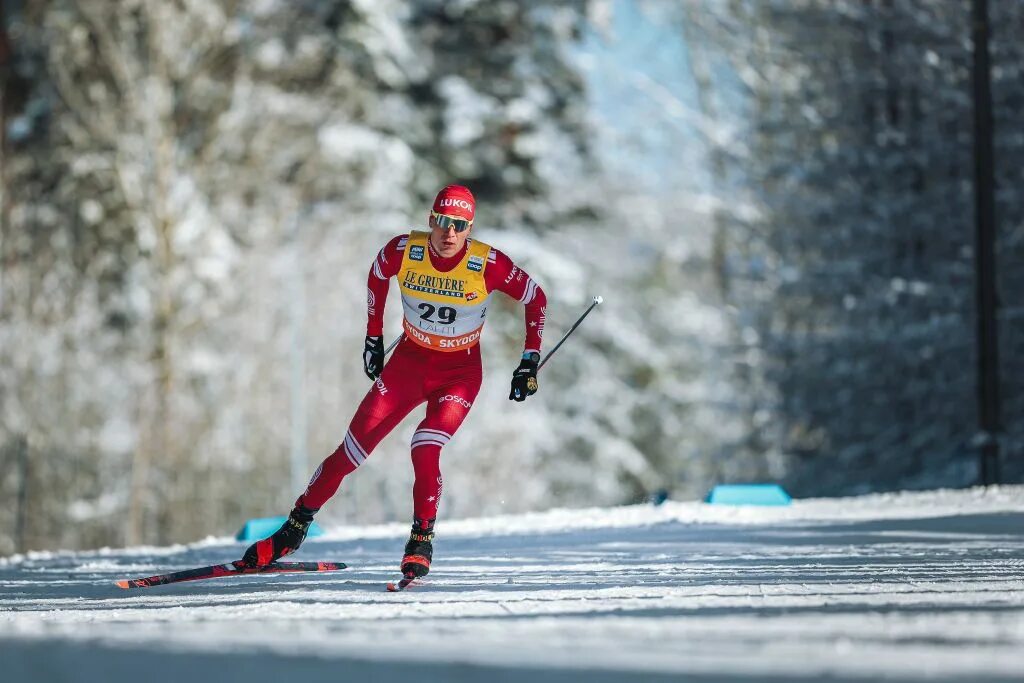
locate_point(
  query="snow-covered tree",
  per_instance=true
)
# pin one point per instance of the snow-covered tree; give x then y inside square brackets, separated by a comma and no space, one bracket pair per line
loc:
[852,282]
[193,194]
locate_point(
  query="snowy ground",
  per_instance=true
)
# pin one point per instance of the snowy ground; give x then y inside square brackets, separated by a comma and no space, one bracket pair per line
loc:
[923,586]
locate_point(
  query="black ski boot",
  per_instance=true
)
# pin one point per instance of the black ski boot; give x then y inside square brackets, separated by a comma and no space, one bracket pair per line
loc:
[419,549]
[284,541]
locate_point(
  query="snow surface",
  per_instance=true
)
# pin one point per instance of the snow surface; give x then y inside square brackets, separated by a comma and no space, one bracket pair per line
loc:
[910,586]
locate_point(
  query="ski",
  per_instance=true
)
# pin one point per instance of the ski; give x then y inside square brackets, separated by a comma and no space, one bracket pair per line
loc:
[407,580]
[236,568]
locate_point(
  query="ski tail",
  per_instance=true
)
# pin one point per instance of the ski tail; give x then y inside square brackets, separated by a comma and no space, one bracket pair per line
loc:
[236,568]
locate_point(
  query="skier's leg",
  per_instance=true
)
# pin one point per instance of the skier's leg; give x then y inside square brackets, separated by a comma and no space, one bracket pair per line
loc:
[446,411]
[396,392]
[447,407]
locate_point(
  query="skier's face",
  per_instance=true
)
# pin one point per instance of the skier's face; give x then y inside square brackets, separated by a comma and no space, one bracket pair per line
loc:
[446,240]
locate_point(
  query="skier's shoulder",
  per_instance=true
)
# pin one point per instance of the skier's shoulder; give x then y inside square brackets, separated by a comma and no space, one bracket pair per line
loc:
[500,269]
[397,243]
[389,258]
[480,247]
[496,258]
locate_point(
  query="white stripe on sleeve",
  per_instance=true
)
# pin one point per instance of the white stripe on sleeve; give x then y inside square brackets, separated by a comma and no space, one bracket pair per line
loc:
[531,291]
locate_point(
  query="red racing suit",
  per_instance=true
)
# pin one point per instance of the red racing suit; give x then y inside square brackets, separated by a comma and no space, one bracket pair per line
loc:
[446,380]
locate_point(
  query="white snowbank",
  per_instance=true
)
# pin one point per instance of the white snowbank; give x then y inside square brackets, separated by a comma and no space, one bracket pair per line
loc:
[908,586]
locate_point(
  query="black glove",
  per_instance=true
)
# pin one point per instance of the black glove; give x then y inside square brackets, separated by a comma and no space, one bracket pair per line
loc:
[373,357]
[524,379]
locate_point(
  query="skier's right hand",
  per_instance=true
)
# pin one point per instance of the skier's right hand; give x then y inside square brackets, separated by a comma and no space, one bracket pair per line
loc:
[373,357]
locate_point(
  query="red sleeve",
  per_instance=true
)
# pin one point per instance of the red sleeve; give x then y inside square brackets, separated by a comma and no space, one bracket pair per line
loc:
[385,266]
[505,276]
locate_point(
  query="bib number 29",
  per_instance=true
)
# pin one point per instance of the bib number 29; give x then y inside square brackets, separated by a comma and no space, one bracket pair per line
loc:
[445,314]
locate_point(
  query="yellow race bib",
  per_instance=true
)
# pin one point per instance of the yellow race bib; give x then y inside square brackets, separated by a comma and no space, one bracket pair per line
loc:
[443,311]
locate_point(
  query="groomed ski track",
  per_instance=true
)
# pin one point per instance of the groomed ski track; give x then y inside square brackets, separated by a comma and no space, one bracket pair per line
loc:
[914,587]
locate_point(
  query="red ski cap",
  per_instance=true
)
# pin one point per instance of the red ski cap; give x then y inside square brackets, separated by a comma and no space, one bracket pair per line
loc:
[455,200]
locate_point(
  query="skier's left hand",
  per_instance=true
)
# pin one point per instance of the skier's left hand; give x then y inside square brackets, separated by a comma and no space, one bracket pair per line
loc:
[524,379]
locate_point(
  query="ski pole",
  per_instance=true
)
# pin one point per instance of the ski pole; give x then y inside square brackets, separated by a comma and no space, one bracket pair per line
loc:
[597,300]
[393,344]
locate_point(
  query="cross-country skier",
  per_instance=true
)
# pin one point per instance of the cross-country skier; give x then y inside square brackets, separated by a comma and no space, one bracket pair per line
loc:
[446,280]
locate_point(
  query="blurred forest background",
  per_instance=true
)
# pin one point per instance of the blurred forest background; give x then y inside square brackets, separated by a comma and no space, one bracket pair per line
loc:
[774,197]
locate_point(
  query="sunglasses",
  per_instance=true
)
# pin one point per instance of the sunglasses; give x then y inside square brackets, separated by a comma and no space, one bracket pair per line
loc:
[444,222]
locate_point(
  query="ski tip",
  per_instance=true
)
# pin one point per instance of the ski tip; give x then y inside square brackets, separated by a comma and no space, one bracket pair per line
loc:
[392,588]
[122,584]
